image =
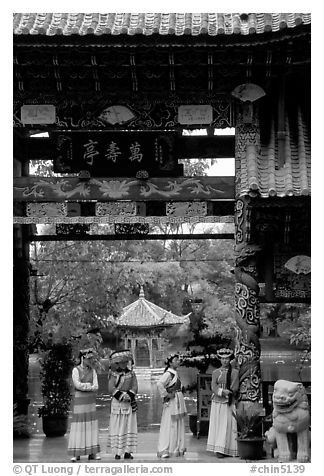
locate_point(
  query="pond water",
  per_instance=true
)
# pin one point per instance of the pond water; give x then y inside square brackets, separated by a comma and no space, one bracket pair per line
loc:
[274,365]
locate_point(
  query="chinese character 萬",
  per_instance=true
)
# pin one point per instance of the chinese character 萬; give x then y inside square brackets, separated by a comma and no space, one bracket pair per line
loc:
[113,152]
[90,151]
[135,150]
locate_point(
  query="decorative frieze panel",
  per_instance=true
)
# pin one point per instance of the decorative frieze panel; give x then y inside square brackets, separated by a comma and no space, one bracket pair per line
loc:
[81,111]
[154,220]
[46,209]
[115,208]
[106,189]
[184,209]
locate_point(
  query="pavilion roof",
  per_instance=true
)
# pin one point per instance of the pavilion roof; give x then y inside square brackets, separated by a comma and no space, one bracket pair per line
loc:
[143,313]
[192,24]
[264,174]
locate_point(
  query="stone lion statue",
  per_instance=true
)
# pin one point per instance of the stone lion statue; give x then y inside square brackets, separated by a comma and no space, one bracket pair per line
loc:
[290,415]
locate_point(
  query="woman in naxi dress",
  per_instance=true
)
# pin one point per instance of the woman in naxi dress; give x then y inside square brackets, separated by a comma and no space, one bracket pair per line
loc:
[172,429]
[222,423]
[122,385]
[84,439]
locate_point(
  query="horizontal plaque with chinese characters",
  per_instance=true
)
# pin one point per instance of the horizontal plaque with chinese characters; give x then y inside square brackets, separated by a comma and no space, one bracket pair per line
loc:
[116,154]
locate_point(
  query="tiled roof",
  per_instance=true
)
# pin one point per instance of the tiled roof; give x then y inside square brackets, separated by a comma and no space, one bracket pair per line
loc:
[143,313]
[159,23]
[262,174]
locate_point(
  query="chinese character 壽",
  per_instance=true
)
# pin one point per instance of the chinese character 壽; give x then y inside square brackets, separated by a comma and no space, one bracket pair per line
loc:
[135,150]
[113,152]
[90,151]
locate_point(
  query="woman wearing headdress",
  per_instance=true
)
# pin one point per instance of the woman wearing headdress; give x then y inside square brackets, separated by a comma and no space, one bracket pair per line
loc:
[84,438]
[122,385]
[222,423]
[172,429]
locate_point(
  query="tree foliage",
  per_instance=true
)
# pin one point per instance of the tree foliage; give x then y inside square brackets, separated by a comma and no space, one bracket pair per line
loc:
[84,285]
[81,285]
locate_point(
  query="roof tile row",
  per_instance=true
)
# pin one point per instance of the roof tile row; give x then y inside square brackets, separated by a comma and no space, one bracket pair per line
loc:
[263,174]
[149,23]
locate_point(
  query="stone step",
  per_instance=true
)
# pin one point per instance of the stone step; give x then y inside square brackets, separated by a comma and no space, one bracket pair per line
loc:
[147,373]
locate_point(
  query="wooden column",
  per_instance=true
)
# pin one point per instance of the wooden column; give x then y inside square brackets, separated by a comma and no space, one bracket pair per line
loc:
[247,308]
[247,304]
[21,272]
[20,318]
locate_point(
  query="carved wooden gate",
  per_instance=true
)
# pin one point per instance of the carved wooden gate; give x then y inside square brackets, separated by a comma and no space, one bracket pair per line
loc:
[139,85]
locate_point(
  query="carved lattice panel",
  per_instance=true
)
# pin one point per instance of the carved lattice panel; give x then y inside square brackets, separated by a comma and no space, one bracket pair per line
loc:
[186,209]
[115,208]
[46,209]
[65,229]
[131,229]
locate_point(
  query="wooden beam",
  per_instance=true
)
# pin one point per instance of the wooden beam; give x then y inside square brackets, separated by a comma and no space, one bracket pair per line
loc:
[178,236]
[19,146]
[59,189]
[211,147]
[39,148]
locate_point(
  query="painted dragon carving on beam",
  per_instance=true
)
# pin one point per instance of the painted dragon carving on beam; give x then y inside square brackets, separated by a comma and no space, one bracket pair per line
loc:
[66,188]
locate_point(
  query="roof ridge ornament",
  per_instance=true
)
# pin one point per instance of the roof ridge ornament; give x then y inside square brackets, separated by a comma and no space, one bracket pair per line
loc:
[141,294]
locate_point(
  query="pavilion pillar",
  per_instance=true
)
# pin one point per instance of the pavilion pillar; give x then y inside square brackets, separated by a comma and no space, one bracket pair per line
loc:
[247,304]
[155,353]
[150,347]
[133,349]
[159,343]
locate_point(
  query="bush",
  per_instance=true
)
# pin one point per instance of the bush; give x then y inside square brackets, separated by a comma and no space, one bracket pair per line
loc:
[20,424]
[249,418]
[56,366]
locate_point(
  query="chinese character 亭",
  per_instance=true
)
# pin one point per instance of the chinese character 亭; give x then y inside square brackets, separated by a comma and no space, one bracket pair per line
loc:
[90,151]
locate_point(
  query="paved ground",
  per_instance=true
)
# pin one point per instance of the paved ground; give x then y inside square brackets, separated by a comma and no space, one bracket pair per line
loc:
[54,450]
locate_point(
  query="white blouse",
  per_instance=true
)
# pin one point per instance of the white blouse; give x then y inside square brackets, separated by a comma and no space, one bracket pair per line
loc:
[84,387]
[165,380]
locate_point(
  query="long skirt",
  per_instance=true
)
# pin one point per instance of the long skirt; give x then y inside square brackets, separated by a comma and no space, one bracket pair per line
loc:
[172,435]
[222,429]
[84,437]
[122,437]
